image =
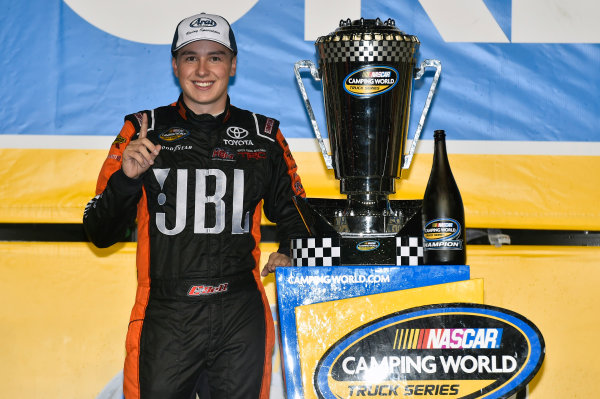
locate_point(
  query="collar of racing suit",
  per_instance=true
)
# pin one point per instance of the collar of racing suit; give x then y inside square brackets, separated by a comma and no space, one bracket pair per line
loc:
[205,122]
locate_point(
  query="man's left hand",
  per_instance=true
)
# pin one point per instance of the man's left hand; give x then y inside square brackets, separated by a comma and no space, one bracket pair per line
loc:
[275,259]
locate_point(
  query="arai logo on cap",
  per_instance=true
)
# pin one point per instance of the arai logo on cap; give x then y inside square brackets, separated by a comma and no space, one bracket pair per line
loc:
[459,350]
[202,22]
[371,81]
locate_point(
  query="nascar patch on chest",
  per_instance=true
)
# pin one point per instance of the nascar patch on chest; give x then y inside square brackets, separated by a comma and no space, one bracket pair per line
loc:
[174,134]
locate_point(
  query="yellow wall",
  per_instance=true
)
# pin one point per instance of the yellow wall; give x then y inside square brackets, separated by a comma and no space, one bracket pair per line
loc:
[64,316]
[66,307]
[557,289]
[499,191]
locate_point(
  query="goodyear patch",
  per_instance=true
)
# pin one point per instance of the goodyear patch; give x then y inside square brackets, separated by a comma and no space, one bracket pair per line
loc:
[371,81]
[455,350]
[173,134]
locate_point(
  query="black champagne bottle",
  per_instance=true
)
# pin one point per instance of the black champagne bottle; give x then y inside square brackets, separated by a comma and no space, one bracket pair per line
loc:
[443,212]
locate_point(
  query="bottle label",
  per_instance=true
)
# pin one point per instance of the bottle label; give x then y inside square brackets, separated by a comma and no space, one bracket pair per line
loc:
[442,233]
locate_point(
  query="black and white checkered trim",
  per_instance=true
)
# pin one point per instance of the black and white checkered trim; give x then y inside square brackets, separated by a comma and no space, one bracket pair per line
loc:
[367,50]
[315,252]
[327,251]
[409,251]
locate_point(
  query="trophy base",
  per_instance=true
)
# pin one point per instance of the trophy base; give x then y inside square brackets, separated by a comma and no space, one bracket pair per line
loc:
[357,251]
[338,238]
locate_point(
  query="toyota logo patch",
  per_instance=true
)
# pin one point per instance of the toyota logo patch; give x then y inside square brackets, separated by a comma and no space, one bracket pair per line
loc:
[236,132]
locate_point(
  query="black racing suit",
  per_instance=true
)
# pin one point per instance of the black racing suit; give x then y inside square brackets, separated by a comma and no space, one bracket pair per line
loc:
[200,305]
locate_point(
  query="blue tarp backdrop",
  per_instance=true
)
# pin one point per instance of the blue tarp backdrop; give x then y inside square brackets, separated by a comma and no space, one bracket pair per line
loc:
[61,73]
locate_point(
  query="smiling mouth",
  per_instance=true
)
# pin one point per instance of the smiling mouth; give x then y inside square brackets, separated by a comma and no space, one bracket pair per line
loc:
[203,84]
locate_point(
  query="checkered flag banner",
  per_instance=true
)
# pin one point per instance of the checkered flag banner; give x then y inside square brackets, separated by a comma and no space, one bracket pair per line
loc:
[315,252]
[409,251]
[327,251]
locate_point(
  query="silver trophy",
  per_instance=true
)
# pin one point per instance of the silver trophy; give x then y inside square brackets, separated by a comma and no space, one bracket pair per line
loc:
[367,68]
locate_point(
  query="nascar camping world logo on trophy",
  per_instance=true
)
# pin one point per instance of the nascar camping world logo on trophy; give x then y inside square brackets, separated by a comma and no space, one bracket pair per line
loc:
[367,68]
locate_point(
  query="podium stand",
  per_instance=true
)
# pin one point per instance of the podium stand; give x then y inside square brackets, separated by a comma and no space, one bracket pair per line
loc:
[399,331]
[298,287]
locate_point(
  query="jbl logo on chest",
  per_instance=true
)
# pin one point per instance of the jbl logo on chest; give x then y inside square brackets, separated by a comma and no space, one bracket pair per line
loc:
[239,221]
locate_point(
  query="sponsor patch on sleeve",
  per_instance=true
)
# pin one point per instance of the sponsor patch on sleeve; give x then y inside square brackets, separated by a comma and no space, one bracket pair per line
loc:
[269,126]
[119,140]
[138,117]
[116,157]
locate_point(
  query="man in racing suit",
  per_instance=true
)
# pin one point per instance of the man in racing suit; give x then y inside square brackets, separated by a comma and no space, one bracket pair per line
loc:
[195,174]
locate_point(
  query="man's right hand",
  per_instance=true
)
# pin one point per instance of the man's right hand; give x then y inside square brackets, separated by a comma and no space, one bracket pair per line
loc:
[139,155]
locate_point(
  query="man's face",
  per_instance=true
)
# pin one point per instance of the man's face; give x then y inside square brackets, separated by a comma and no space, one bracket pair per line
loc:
[203,69]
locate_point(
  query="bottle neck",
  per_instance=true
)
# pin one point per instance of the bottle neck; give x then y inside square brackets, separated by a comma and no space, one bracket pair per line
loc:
[439,151]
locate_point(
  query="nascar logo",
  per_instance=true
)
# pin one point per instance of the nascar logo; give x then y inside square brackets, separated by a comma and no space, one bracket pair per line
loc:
[441,229]
[406,354]
[369,245]
[370,81]
[173,134]
[448,338]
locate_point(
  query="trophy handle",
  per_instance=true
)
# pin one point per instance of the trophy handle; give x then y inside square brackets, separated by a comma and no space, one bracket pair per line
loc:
[438,69]
[315,74]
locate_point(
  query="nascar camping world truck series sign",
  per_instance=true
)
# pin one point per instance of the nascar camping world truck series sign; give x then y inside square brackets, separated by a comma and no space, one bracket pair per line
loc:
[437,351]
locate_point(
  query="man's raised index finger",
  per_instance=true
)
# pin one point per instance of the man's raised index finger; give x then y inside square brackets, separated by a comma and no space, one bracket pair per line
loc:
[144,127]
